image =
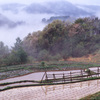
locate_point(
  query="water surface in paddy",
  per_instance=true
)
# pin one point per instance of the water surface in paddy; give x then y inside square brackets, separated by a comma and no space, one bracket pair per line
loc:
[38,75]
[73,91]
[34,76]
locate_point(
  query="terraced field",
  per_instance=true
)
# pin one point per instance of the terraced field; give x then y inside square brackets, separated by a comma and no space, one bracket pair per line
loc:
[73,91]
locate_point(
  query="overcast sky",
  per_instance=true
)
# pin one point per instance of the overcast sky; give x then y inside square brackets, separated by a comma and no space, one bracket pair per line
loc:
[30,1]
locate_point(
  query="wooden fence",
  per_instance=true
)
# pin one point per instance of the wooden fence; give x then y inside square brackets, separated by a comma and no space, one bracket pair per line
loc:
[70,76]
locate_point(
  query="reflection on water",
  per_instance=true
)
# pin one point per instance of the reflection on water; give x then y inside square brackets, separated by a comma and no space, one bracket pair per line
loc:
[53,92]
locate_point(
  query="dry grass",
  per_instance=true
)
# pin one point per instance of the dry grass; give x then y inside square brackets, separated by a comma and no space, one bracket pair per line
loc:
[88,59]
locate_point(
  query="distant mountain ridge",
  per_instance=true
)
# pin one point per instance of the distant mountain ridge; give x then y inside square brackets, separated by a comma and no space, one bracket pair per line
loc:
[90,8]
[14,7]
[60,8]
[62,18]
[55,8]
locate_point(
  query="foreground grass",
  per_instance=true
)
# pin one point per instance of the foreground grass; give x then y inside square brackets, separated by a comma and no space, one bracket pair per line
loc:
[95,96]
[50,65]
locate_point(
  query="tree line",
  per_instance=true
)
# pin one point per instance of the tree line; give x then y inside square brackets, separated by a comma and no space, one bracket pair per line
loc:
[61,40]
[15,55]
[58,40]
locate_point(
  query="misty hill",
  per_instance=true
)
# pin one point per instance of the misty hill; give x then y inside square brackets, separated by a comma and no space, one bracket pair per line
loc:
[4,21]
[62,18]
[59,40]
[56,7]
[37,8]
[14,7]
[90,8]
[62,40]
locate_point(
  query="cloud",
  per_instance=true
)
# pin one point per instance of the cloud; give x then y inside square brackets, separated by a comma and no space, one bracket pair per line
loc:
[33,21]
[22,1]
[88,2]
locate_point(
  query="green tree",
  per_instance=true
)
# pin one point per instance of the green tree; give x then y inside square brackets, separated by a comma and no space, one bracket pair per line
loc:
[18,44]
[18,54]
[4,50]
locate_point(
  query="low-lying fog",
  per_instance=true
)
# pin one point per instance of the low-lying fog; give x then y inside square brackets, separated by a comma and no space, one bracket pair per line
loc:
[16,22]
[32,22]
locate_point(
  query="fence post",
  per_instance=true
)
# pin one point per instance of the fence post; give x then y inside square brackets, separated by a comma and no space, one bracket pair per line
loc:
[98,71]
[87,76]
[70,76]
[46,77]
[63,77]
[43,77]
[54,77]
[81,74]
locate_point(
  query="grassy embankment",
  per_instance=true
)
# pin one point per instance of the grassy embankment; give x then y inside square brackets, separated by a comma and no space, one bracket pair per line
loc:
[37,83]
[95,96]
[71,63]
[17,70]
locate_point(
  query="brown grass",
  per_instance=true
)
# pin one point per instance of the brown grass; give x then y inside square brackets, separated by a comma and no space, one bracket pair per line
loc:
[88,59]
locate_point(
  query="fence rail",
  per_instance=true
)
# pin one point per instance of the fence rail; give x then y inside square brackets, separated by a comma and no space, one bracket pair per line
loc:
[71,76]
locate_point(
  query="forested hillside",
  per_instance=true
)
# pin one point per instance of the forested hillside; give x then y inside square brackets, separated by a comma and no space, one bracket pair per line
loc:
[14,56]
[58,40]
[61,40]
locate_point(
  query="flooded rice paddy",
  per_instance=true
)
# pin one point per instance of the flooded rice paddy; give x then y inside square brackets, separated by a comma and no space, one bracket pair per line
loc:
[73,91]
[34,76]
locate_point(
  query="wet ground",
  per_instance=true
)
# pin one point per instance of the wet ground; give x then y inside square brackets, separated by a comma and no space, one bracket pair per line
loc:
[35,76]
[38,75]
[73,91]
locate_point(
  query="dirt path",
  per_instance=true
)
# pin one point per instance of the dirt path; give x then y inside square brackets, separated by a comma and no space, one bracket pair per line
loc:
[73,91]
